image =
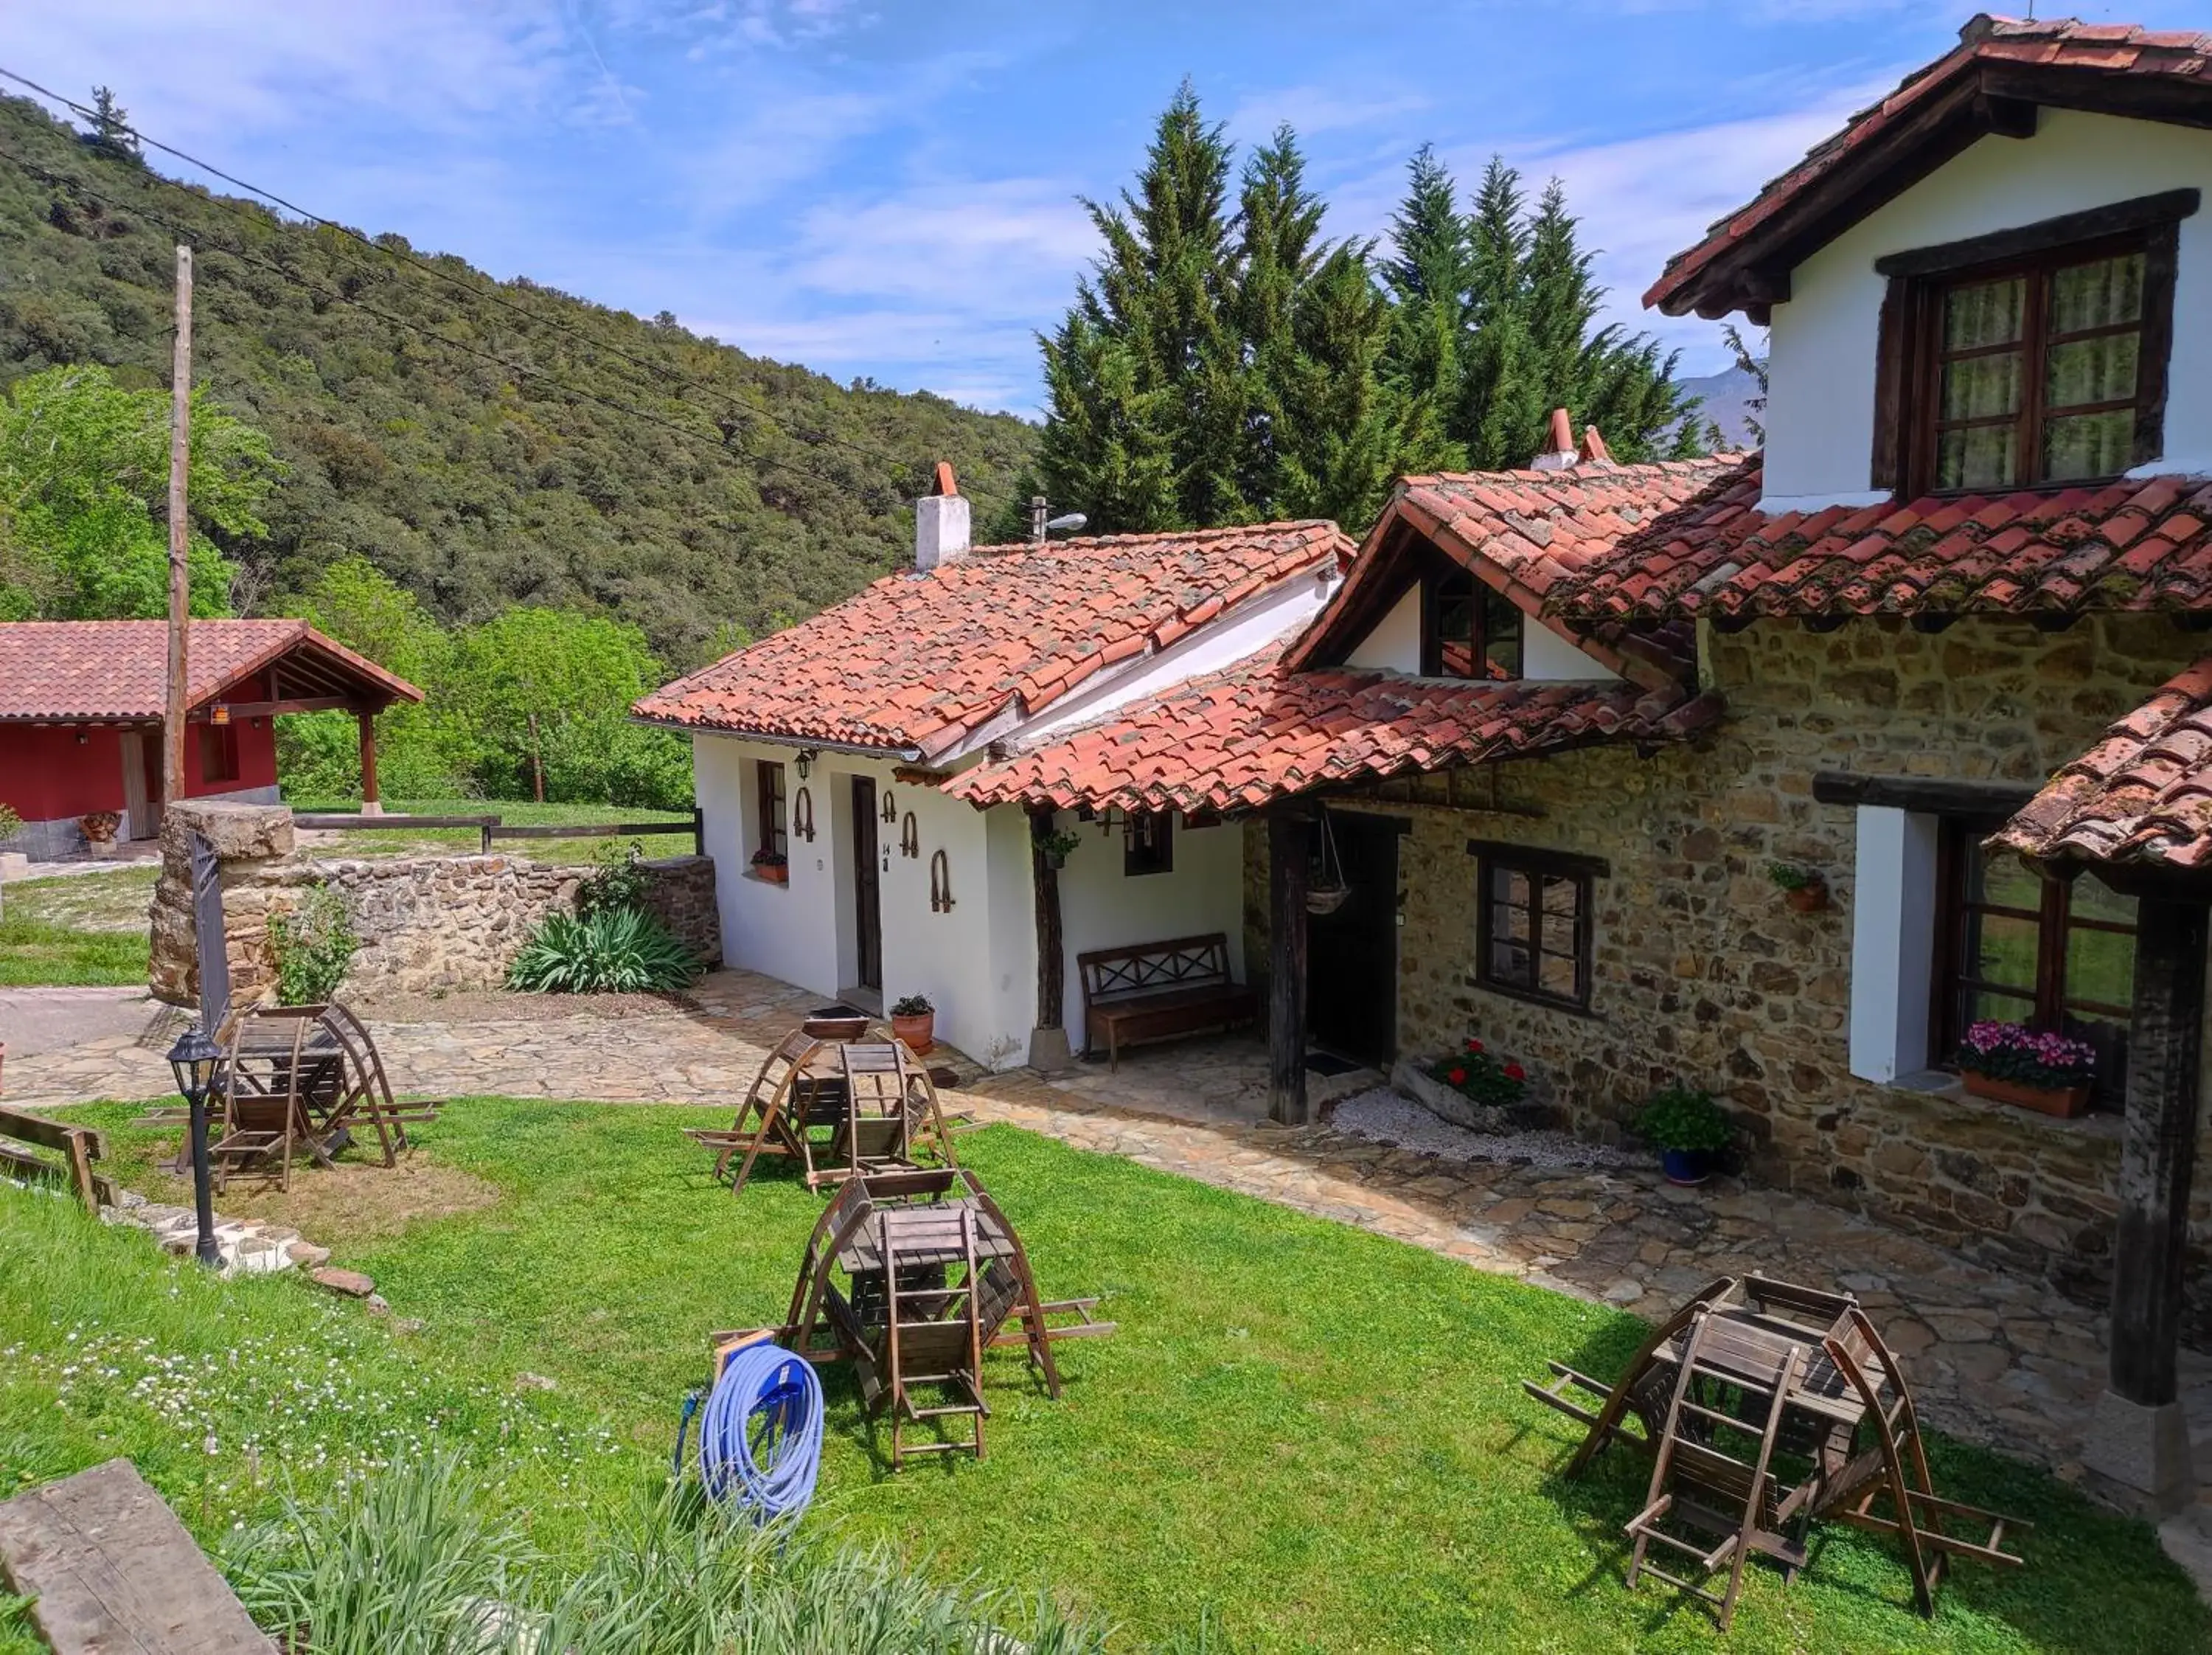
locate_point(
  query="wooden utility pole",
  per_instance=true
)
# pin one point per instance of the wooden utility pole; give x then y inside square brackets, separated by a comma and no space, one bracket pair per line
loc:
[180,534]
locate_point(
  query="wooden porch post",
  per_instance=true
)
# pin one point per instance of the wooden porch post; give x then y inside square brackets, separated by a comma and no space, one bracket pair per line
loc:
[1287,848]
[1048,1043]
[2140,1441]
[371,804]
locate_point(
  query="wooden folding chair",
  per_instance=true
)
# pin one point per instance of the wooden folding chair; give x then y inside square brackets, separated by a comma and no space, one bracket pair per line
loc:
[758,1125]
[1895,1464]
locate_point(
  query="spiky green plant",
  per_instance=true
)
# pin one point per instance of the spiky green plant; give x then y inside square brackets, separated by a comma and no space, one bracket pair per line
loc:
[608,951]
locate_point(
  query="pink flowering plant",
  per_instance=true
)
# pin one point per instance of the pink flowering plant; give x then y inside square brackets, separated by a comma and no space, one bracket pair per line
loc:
[1478,1074]
[2006,1051]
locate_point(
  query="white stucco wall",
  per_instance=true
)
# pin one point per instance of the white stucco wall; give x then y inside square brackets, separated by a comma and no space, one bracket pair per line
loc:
[1820,409]
[1548,658]
[1101,908]
[765,928]
[1281,610]
[1394,645]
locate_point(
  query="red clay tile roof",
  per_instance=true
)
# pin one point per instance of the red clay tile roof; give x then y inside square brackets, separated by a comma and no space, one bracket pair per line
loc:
[1525,533]
[1235,740]
[917,662]
[120,669]
[2060,62]
[2140,544]
[2143,794]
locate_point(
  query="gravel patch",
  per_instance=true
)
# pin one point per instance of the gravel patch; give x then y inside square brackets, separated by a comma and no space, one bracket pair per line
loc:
[1383,1116]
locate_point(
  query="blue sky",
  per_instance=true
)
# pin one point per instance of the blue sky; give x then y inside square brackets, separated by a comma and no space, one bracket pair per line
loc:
[874,188]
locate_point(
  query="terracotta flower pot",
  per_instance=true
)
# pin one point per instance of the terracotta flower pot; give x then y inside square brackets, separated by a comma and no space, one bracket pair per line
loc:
[775,875]
[2065,1102]
[1808,898]
[917,1032]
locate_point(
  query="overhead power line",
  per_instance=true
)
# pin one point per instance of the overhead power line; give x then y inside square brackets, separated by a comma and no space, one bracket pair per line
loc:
[743,411]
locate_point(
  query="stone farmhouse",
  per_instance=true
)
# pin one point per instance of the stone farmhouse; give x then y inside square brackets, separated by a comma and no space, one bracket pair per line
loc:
[1938,646]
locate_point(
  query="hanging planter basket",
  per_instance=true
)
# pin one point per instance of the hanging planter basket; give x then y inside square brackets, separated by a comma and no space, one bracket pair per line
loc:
[1326,890]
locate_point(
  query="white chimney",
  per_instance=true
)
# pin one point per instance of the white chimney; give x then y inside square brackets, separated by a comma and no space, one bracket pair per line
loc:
[940,522]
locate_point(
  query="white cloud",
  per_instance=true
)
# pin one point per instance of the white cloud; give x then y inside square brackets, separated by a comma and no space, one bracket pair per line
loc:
[1309,110]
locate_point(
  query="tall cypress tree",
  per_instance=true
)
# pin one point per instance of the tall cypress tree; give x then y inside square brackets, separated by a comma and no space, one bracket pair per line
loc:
[1278,249]
[1145,374]
[1499,405]
[1428,279]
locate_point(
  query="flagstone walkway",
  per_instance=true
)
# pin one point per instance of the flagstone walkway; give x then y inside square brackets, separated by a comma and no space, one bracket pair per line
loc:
[1992,1359]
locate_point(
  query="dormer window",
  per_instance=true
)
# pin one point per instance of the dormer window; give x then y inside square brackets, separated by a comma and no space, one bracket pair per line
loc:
[1467,630]
[2032,357]
[2038,374]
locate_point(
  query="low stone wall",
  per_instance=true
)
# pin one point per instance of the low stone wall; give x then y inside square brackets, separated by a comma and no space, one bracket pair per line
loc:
[427,924]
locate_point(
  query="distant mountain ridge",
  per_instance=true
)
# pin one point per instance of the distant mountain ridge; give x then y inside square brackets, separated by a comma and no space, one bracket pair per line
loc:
[702,492]
[1727,399]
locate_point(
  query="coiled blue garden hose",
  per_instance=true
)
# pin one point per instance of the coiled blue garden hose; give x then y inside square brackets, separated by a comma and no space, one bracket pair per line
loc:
[767,1384]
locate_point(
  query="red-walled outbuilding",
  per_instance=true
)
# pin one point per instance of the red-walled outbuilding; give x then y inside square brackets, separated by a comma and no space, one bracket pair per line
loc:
[80,709]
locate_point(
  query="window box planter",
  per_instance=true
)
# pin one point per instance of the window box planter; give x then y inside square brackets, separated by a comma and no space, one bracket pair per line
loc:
[2064,1101]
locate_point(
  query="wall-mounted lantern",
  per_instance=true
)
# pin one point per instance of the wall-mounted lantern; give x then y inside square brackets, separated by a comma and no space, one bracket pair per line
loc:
[940,883]
[807,757]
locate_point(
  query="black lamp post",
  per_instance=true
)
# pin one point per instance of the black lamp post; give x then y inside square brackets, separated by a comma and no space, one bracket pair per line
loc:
[193,1059]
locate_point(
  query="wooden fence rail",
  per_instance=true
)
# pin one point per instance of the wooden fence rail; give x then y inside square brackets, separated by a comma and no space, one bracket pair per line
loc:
[491,827]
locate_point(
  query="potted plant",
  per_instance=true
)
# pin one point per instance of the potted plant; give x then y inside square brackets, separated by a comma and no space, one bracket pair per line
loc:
[914,1020]
[2045,1071]
[99,830]
[772,866]
[1688,1129]
[1058,846]
[1804,890]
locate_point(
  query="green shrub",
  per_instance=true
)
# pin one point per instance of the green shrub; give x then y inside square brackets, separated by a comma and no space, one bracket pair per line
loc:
[610,951]
[11,824]
[617,879]
[1685,1117]
[313,945]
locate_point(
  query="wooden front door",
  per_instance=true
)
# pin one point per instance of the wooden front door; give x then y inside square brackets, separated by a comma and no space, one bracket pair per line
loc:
[142,785]
[1352,955]
[867,884]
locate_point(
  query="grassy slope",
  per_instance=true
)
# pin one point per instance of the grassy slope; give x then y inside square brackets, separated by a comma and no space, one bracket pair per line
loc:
[1313,1431]
[89,928]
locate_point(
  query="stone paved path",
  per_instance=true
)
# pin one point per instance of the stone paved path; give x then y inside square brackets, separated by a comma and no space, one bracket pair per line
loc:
[1992,1359]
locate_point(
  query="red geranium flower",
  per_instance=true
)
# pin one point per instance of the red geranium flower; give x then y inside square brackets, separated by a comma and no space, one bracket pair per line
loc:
[1457,1077]
[1475,1046]
[1515,1072]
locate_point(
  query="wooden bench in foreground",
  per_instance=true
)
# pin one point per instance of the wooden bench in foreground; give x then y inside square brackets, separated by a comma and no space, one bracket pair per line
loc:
[1160,991]
[74,1148]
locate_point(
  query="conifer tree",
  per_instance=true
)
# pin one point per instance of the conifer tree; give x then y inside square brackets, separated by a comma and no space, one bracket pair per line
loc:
[1427,280]
[1498,409]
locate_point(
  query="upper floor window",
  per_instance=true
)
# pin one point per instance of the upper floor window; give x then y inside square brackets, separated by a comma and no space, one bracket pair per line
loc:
[1467,630]
[2038,373]
[2029,357]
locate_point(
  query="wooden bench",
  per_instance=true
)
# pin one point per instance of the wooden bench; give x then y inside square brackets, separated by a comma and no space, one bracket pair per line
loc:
[1159,991]
[77,1147]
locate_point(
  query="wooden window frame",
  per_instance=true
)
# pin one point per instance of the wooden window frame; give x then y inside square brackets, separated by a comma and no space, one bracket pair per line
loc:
[2047,1002]
[1492,858]
[1908,383]
[1488,604]
[772,832]
[1147,844]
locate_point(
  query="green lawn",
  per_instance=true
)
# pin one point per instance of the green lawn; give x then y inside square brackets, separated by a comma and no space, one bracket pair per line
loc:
[1313,1435]
[511,811]
[87,928]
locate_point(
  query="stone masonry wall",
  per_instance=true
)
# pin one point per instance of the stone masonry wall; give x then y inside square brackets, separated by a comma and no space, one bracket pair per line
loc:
[1702,973]
[426,923]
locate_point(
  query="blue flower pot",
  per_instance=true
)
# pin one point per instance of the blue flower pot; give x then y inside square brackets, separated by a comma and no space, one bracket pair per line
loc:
[1688,1167]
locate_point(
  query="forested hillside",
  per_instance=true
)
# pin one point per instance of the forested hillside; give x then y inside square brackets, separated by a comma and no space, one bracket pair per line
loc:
[485,444]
